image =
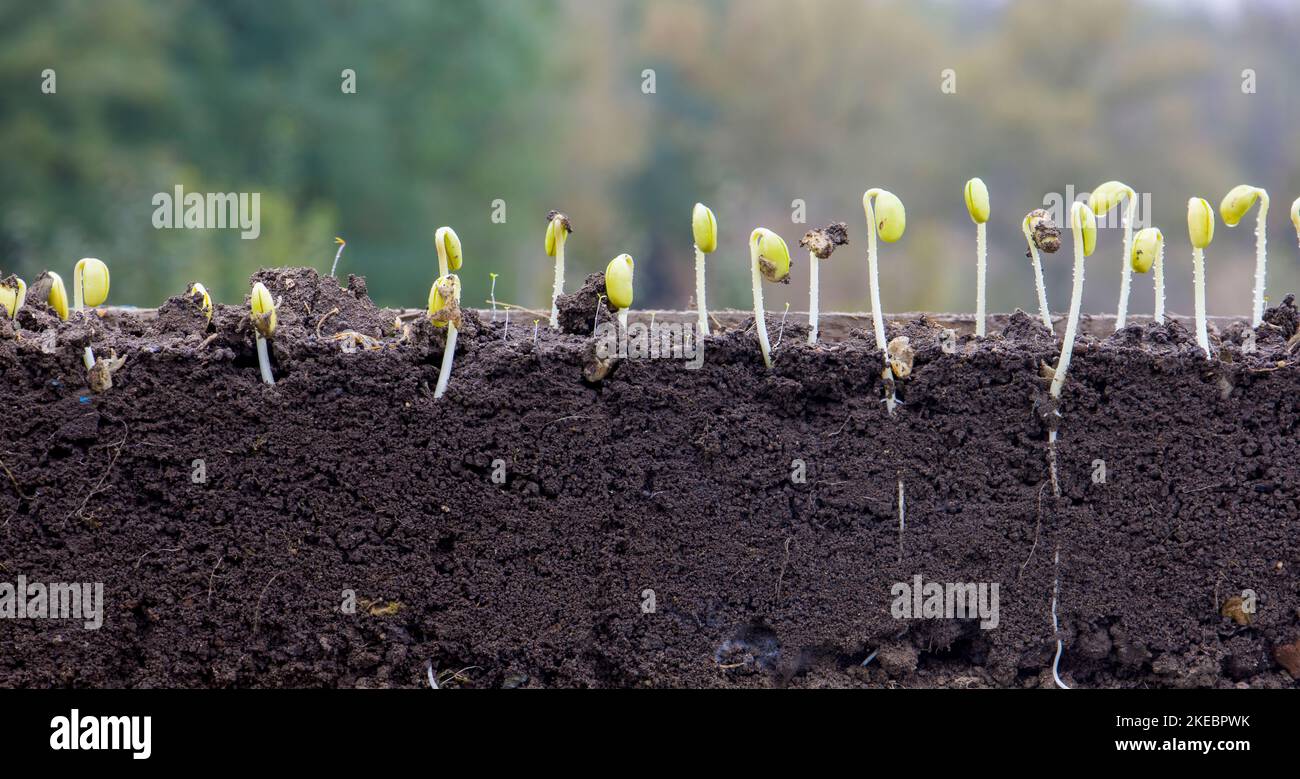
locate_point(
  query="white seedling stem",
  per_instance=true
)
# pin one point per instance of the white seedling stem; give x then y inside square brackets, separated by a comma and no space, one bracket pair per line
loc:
[1043,311]
[559,276]
[1198,283]
[873,276]
[1126,272]
[622,320]
[760,322]
[1257,317]
[448,354]
[263,360]
[78,302]
[1058,379]
[1076,303]
[492,293]
[703,322]
[812,297]
[981,263]
[1158,276]
[337,255]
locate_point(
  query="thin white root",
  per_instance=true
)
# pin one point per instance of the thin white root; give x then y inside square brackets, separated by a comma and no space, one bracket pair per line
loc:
[448,354]
[703,320]
[1056,628]
[902,518]
[1051,462]
[981,266]
[264,360]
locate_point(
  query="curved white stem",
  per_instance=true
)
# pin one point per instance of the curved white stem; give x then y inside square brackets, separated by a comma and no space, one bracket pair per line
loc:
[1257,317]
[264,360]
[440,245]
[1198,283]
[760,322]
[78,298]
[813,283]
[1038,277]
[703,323]
[1076,302]
[1158,276]
[559,278]
[981,263]
[448,354]
[877,318]
[1126,271]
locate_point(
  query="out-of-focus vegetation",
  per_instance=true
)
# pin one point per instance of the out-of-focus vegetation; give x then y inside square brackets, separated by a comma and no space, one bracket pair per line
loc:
[756,103]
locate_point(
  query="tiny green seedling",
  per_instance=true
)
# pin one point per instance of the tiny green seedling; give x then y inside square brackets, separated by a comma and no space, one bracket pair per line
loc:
[1200,229]
[200,294]
[887,218]
[618,285]
[1149,255]
[342,243]
[558,228]
[1234,206]
[820,244]
[262,312]
[977,204]
[704,226]
[1041,233]
[1102,200]
[769,259]
[492,293]
[444,311]
[89,288]
[13,293]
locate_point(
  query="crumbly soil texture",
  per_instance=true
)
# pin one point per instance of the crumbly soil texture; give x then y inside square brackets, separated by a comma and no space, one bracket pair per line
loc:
[667,526]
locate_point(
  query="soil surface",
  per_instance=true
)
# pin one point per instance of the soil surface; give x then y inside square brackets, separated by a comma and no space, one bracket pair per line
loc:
[722,525]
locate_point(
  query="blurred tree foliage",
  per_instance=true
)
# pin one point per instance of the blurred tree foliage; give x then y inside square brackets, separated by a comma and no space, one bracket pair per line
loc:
[756,104]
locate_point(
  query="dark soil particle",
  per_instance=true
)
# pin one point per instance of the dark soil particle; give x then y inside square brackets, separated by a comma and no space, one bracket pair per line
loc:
[583,310]
[722,525]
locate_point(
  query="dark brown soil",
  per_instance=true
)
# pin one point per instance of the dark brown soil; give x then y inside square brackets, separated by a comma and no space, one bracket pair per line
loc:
[348,477]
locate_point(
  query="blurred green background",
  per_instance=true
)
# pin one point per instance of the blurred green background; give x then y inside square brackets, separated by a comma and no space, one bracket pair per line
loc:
[543,104]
